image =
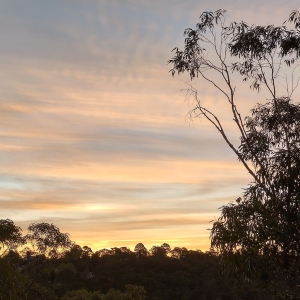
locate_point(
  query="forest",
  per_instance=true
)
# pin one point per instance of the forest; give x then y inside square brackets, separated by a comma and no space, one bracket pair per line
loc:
[45,264]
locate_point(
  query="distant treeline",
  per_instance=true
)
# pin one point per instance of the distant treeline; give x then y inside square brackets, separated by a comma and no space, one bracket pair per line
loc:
[49,266]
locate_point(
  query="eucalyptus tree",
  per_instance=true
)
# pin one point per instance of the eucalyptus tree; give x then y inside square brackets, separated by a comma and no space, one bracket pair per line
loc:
[140,250]
[259,235]
[47,239]
[10,236]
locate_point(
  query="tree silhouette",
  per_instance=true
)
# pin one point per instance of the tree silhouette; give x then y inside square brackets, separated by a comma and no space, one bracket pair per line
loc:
[140,250]
[117,273]
[258,236]
[179,253]
[256,53]
[166,248]
[263,227]
[10,236]
[160,251]
[47,237]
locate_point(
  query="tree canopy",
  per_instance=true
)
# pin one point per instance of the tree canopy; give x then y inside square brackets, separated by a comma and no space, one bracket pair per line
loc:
[10,235]
[117,273]
[47,237]
[262,228]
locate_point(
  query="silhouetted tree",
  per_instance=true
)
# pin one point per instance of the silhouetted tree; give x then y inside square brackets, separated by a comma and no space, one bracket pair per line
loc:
[258,236]
[75,275]
[140,250]
[257,53]
[158,251]
[179,253]
[87,252]
[166,248]
[104,252]
[74,253]
[10,236]
[47,237]
[262,229]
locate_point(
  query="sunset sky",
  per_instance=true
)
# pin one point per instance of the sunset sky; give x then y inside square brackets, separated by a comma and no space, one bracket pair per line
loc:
[94,135]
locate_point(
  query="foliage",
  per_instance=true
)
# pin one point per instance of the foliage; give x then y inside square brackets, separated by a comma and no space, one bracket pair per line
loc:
[11,285]
[15,285]
[179,253]
[140,250]
[47,237]
[132,292]
[258,236]
[10,235]
[160,251]
[66,266]
[82,294]
[263,227]
[118,273]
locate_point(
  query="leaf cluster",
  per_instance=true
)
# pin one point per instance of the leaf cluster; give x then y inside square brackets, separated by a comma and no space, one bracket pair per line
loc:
[47,237]
[10,235]
[255,47]
[258,236]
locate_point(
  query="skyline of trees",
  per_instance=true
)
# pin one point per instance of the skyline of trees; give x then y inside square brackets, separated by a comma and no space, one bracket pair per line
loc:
[158,273]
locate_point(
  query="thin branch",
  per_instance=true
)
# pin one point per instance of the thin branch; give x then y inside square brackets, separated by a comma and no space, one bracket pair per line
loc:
[213,83]
[294,88]
[265,79]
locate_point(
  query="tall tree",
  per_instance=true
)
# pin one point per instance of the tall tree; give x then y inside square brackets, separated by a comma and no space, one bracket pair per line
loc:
[140,250]
[261,231]
[10,236]
[258,236]
[256,53]
[47,237]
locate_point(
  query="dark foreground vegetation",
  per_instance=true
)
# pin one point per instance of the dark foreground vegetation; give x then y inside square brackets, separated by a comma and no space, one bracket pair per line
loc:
[49,266]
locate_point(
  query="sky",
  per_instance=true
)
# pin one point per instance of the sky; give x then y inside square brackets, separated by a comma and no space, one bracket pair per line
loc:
[94,130]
